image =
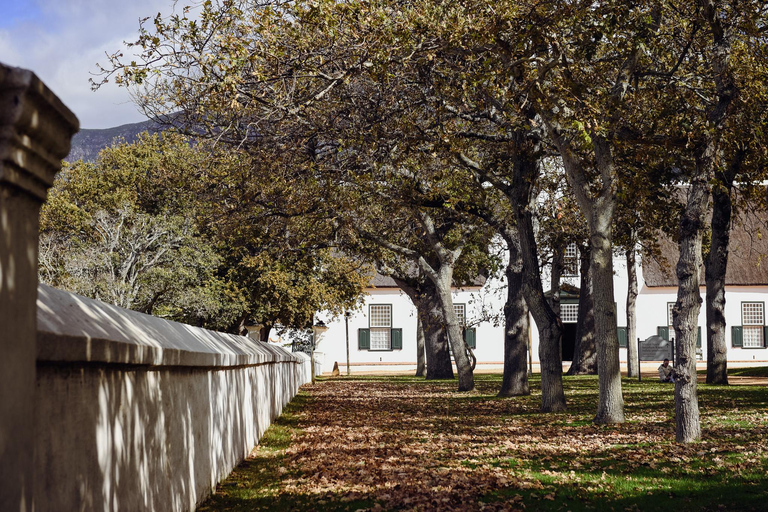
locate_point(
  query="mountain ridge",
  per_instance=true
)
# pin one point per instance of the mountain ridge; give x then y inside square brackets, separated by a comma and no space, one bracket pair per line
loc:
[87,143]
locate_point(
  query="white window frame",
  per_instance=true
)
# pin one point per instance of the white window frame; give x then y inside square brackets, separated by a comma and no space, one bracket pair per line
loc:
[571,260]
[380,328]
[752,324]
[569,312]
[461,312]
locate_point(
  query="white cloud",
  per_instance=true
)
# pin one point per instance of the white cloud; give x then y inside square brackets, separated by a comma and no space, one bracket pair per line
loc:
[63,42]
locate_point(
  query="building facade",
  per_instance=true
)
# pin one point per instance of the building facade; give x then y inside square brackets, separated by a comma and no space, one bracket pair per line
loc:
[382,334]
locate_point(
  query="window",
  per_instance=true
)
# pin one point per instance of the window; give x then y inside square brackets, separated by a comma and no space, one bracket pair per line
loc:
[381,326]
[380,335]
[571,261]
[668,331]
[752,321]
[469,334]
[461,312]
[569,313]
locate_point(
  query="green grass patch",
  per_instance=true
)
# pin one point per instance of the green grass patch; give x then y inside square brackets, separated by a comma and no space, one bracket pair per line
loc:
[757,371]
[401,442]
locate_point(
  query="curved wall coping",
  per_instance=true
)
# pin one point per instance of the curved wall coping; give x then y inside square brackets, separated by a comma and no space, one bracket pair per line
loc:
[72,328]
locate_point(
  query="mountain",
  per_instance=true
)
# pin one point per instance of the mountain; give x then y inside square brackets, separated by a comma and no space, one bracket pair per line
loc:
[87,143]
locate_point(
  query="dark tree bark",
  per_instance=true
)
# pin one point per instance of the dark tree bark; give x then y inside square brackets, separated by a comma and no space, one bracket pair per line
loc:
[436,343]
[717,264]
[516,183]
[516,329]
[556,274]
[548,323]
[264,332]
[421,358]
[716,267]
[423,294]
[585,351]
[633,368]
[685,312]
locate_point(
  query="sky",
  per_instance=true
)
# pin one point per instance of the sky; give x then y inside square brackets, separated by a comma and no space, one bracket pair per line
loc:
[63,40]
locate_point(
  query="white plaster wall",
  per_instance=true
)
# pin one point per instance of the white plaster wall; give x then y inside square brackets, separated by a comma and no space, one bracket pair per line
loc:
[490,341]
[650,309]
[651,312]
[136,413]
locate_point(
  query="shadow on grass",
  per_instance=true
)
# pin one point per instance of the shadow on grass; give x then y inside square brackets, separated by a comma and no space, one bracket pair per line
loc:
[404,442]
[593,492]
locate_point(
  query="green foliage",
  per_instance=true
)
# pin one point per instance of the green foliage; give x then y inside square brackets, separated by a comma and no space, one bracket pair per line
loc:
[290,288]
[160,226]
[124,230]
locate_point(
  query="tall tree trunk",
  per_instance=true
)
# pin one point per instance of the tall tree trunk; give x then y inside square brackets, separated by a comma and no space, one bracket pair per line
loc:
[610,408]
[685,312]
[454,328]
[717,264]
[547,322]
[421,359]
[516,329]
[585,351]
[686,309]
[716,267]
[524,172]
[423,294]
[436,344]
[599,210]
[633,364]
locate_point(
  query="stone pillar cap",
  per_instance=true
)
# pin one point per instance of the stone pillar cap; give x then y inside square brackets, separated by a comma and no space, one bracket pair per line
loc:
[36,130]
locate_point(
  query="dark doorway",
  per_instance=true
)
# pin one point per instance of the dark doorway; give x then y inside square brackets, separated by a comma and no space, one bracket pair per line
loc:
[569,341]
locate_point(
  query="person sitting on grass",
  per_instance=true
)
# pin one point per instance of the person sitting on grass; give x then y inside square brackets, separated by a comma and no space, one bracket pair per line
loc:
[666,372]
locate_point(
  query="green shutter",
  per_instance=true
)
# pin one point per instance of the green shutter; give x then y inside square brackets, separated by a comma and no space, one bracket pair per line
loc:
[765,336]
[364,339]
[470,338]
[663,331]
[622,332]
[698,338]
[397,339]
[737,338]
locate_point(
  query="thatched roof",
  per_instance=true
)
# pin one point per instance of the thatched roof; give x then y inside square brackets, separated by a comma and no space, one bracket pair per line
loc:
[382,281]
[747,258]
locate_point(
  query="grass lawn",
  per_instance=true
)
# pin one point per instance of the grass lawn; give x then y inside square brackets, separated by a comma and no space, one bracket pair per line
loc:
[405,443]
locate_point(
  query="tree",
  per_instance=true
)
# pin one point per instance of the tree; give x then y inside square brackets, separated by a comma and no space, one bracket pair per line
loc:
[430,324]
[719,40]
[585,351]
[583,132]
[116,231]
[741,154]
[161,226]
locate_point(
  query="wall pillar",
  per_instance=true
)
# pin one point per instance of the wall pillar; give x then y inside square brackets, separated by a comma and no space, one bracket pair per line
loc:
[35,133]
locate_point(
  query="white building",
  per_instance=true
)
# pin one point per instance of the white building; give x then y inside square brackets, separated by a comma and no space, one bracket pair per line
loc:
[383,332]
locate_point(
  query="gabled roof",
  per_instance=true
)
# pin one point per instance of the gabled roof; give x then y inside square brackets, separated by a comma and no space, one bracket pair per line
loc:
[382,281]
[747,257]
